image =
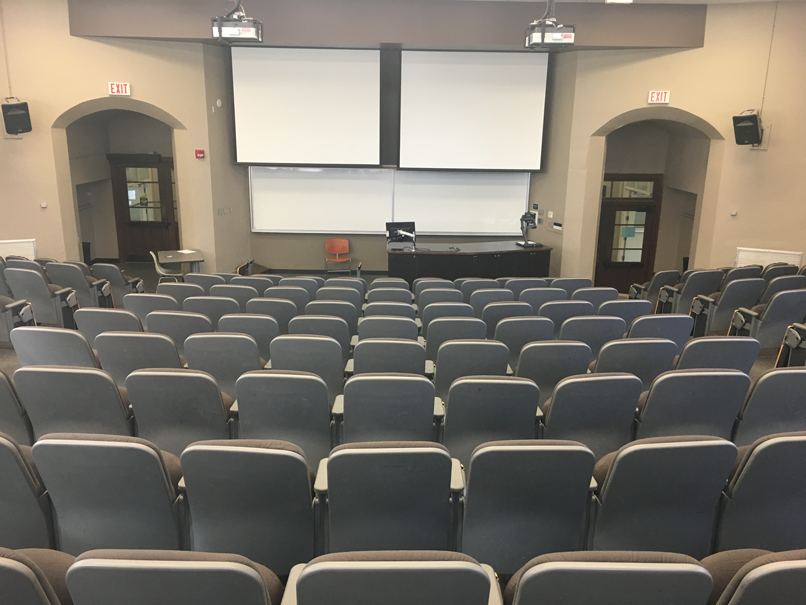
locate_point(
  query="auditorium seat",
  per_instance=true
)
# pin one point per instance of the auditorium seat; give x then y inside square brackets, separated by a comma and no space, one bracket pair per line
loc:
[628,310]
[43,346]
[595,296]
[25,509]
[678,298]
[299,296]
[762,505]
[121,353]
[61,399]
[439,295]
[484,296]
[14,262]
[674,327]
[458,358]
[595,409]
[334,308]
[321,355]
[179,292]
[175,407]
[519,284]
[594,331]
[660,494]
[320,281]
[347,295]
[439,310]
[101,577]
[768,324]
[781,284]
[388,407]
[558,311]
[472,284]
[223,355]
[537,297]
[53,305]
[110,491]
[262,328]
[516,332]
[387,326]
[309,284]
[241,294]
[121,283]
[270,520]
[91,322]
[178,325]
[609,578]
[392,295]
[524,499]
[494,312]
[393,578]
[214,307]
[391,495]
[324,325]
[282,311]
[289,406]
[34,576]
[443,329]
[765,578]
[712,313]
[420,285]
[734,273]
[258,282]
[692,402]
[388,282]
[734,352]
[347,282]
[488,408]
[390,308]
[387,355]
[204,280]
[13,314]
[646,358]
[571,284]
[548,362]
[774,270]
[227,277]
[775,404]
[90,292]
[14,421]
[649,290]
[143,304]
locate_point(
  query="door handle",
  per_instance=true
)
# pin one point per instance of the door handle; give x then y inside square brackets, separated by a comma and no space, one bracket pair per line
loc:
[166,223]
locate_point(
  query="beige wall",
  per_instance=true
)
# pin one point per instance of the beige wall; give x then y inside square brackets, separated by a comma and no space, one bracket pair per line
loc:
[638,148]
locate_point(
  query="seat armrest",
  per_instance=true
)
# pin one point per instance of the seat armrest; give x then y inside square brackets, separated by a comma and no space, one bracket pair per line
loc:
[320,483]
[63,293]
[496,598]
[354,340]
[705,299]
[290,594]
[429,367]
[234,409]
[539,414]
[181,486]
[337,411]
[457,476]
[439,408]
[16,306]
[593,485]
[748,313]
[349,367]
[421,340]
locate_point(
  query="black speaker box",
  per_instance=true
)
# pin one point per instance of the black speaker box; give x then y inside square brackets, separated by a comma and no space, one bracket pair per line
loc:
[16,118]
[747,128]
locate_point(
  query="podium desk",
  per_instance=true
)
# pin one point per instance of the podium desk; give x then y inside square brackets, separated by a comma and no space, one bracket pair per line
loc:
[452,261]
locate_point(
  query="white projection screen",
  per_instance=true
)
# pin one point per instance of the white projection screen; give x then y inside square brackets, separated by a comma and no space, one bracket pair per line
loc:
[472,110]
[307,106]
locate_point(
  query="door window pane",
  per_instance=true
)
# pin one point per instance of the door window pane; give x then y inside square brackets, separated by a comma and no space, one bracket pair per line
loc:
[143,194]
[628,188]
[628,237]
[630,217]
[626,256]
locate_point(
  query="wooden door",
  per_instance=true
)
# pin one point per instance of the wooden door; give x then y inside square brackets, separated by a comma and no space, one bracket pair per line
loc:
[145,205]
[628,230]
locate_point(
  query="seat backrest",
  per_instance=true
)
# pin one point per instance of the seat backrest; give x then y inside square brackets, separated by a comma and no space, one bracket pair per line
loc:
[29,285]
[175,407]
[25,514]
[571,284]
[70,276]
[542,515]
[204,280]
[110,273]
[242,294]
[519,284]
[178,325]
[61,399]
[299,296]
[121,353]
[43,346]
[736,352]
[660,494]
[287,405]
[324,325]
[350,295]
[778,270]
[693,402]
[646,358]
[605,577]
[628,310]
[143,304]
[494,312]
[471,285]
[389,355]
[674,327]
[439,295]
[395,578]
[443,309]
[388,407]
[428,284]
[482,297]
[747,272]
[395,295]
[180,292]
[765,494]
[335,308]
[558,311]
[337,245]
[13,419]
[737,293]
[227,277]
[347,282]
[387,326]
[30,265]
[780,576]
[262,328]
[271,521]
[595,409]
[213,307]
[258,282]
[24,582]
[389,308]
[320,355]
[281,310]
[516,332]
[452,327]
[389,282]
[699,282]
[108,491]
[594,331]
[488,408]
[784,309]
[548,362]
[595,296]
[223,355]
[91,322]
[458,358]
[310,285]
[404,507]
[537,297]
[117,576]
[780,284]
[773,405]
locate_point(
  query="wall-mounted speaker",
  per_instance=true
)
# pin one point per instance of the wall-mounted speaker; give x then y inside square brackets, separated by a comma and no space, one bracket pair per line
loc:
[16,118]
[747,128]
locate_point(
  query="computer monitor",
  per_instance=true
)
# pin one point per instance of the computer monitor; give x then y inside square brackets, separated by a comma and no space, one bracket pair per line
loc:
[400,232]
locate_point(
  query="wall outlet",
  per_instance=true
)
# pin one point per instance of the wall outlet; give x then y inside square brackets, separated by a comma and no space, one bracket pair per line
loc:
[557,226]
[534,206]
[550,214]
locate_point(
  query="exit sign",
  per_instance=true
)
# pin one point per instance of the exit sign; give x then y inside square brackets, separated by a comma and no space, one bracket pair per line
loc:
[658,96]
[119,89]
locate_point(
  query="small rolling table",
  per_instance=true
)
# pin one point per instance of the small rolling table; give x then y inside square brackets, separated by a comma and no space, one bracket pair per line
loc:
[177,257]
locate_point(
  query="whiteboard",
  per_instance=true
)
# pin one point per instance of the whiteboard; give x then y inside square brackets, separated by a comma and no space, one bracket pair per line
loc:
[320,200]
[472,110]
[306,106]
[758,256]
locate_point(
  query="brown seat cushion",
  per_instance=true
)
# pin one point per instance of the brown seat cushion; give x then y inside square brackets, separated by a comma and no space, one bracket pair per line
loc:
[54,288]
[730,591]
[54,564]
[723,566]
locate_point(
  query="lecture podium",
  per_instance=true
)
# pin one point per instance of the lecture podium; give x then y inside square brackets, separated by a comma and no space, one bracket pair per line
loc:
[452,261]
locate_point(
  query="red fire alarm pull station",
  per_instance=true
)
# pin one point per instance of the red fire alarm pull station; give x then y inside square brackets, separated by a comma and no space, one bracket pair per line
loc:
[200,154]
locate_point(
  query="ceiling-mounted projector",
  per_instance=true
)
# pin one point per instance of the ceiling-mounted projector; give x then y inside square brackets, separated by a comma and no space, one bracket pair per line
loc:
[547,33]
[235,27]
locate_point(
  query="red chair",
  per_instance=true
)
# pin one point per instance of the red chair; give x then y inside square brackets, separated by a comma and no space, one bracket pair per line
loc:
[338,247]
